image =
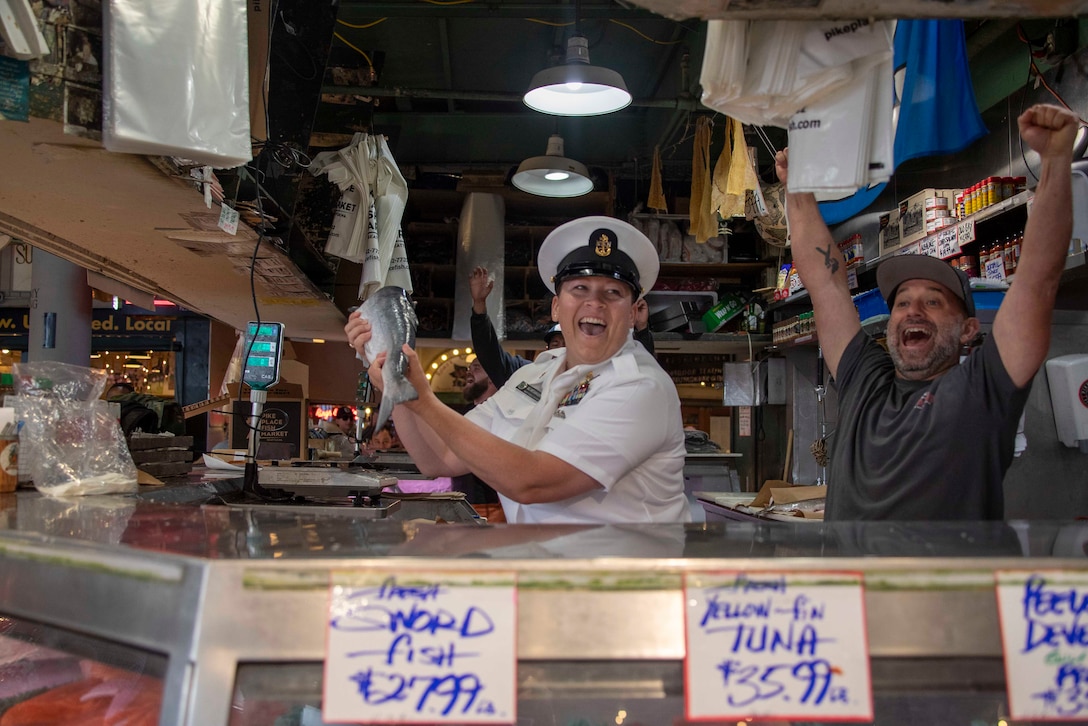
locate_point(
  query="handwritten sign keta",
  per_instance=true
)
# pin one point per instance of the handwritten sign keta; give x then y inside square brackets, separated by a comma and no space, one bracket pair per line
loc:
[418,648]
[1044,630]
[776,645]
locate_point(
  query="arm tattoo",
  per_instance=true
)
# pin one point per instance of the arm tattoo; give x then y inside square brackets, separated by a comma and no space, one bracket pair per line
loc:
[829,262]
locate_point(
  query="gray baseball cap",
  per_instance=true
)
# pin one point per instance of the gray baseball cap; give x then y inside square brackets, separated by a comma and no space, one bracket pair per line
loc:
[895,271]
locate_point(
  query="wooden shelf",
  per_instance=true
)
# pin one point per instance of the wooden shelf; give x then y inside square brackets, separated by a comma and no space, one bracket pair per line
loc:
[713,269]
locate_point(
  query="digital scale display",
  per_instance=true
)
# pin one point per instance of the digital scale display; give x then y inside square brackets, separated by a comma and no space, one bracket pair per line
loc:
[263,348]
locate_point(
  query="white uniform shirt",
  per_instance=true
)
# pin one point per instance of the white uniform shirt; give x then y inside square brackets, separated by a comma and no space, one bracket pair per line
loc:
[625,432]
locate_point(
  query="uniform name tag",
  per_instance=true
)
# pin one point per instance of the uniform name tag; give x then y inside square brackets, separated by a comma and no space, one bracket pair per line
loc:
[531,391]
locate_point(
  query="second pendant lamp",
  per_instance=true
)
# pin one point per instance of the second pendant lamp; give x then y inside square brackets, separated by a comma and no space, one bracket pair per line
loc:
[553,175]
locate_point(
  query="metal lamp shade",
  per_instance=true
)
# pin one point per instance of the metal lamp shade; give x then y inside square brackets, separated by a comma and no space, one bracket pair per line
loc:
[577,88]
[553,175]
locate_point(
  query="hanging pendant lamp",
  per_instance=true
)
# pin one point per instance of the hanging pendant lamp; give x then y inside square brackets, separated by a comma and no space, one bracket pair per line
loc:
[577,88]
[553,175]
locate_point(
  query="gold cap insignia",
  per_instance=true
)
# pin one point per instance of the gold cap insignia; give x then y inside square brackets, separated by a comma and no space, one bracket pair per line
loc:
[603,246]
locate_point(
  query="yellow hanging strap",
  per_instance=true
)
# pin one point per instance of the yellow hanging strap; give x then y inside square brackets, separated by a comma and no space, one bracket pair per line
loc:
[720,178]
[656,199]
[736,178]
[704,223]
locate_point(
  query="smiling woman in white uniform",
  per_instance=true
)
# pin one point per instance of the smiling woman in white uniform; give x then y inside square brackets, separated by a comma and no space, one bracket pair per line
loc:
[585,434]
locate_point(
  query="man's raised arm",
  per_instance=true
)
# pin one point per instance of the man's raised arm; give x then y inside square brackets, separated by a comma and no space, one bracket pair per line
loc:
[1022,324]
[822,270]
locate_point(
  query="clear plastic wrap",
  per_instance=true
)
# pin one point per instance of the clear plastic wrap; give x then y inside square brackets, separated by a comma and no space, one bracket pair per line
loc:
[74,444]
[176,79]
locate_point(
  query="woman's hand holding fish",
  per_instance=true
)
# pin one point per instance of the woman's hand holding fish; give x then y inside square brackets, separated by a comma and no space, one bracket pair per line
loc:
[358,331]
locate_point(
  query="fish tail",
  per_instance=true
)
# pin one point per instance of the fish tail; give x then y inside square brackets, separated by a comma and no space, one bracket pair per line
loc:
[397,389]
[384,410]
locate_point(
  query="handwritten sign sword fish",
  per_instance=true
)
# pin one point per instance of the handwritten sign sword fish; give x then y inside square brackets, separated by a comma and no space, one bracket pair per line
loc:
[393,323]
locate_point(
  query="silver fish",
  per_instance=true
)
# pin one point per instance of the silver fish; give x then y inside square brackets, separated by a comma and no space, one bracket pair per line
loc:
[392,323]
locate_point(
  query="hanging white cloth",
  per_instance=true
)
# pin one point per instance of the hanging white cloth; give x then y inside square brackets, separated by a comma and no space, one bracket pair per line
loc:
[787,64]
[830,140]
[367,225]
[386,262]
[347,238]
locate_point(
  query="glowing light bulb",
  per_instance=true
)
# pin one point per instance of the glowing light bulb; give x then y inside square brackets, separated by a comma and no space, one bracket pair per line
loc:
[556,175]
[573,86]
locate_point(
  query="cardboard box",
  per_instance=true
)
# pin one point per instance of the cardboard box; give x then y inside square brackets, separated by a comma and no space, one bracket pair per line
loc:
[727,308]
[912,213]
[889,238]
[283,423]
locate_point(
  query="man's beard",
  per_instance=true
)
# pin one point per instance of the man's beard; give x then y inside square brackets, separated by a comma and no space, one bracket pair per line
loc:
[944,353]
[475,389]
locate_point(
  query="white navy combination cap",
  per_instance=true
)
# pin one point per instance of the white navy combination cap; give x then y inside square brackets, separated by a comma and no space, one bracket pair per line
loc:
[601,246]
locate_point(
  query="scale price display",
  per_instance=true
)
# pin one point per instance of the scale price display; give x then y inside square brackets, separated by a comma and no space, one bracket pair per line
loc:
[263,348]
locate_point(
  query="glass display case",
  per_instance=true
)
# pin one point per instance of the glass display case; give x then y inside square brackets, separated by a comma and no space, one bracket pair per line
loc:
[172,610]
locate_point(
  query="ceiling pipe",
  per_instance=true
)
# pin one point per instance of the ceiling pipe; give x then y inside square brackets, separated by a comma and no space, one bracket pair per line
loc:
[360,9]
[688,104]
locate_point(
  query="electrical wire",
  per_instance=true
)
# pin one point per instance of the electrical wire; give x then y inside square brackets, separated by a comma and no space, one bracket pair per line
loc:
[360,27]
[549,23]
[360,51]
[1042,81]
[638,32]
[1035,72]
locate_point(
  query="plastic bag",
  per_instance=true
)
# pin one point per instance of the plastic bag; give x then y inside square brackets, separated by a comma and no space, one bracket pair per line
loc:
[74,443]
[175,79]
[348,171]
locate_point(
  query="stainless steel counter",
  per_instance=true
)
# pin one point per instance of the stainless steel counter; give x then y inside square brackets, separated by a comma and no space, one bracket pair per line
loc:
[215,600]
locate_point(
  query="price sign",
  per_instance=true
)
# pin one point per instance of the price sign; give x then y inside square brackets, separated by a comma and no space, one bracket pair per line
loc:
[995,269]
[744,421]
[228,220]
[768,645]
[928,246]
[1046,648]
[965,232]
[947,242]
[421,649]
[852,278]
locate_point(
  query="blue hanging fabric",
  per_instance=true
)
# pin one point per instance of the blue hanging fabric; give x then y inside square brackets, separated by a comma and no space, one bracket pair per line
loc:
[937,109]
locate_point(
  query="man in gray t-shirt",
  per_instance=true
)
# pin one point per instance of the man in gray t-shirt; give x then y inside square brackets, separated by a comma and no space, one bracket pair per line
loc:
[920,436]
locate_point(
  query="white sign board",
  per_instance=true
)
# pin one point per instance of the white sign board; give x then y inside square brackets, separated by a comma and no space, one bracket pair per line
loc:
[776,645]
[228,220]
[994,268]
[928,246]
[965,232]
[421,648]
[1044,630]
[947,242]
[22,266]
[744,421]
